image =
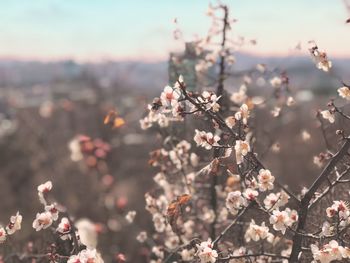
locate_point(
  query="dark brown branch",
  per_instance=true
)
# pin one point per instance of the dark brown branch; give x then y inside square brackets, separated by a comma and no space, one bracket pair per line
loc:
[222,234]
[264,254]
[305,201]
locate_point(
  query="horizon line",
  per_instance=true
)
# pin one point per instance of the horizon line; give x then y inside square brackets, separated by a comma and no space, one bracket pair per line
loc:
[155,59]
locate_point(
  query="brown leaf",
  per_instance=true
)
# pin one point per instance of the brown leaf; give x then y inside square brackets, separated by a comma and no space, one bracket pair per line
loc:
[113,120]
[214,166]
[174,210]
[183,199]
[118,122]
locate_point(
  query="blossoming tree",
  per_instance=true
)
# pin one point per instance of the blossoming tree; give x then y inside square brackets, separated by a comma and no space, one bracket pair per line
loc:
[215,200]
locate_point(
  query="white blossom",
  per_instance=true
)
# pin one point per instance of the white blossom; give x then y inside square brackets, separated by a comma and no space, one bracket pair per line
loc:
[187,254]
[327,253]
[42,221]
[130,216]
[2,235]
[305,135]
[250,194]
[281,220]
[265,180]
[276,82]
[53,210]
[15,224]
[242,148]
[275,201]
[290,101]
[142,237]
[206,139]
[230,121]
[75,150]
[87,232]
[344,92]
[257,232]
[320,58]
[43,189]
[339,208]
[64,228]
[242,114]
[210,101]
[170,96]
[159,222]
[328,115]
[86,256]
[206,253]
[240,96]
[235,201]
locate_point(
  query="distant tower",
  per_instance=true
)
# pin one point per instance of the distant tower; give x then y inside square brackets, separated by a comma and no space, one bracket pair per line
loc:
[184,64]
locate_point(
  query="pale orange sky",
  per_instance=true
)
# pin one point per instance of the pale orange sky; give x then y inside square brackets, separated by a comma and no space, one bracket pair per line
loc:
[142,30]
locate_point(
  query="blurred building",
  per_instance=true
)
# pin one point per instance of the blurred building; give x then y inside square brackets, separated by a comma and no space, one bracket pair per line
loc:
[184,64]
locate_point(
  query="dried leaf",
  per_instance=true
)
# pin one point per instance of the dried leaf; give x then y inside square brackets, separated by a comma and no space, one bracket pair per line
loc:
[113,120]
[214,166]
[183,199]
[174,210]
[118,122]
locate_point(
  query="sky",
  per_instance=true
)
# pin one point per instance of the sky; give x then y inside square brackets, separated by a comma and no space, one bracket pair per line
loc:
[91,30]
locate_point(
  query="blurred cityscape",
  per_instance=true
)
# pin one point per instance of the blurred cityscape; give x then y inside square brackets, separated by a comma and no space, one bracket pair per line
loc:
[44,105]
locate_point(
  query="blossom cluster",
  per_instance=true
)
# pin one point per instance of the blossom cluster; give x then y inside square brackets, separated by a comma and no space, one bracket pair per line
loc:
[329,252]
[86,256]
[92,151]
[45,219]
[231,178]
[12,227]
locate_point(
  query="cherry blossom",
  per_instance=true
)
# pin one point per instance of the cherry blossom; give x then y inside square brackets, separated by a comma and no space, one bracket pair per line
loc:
[281,220]
[86,256]
[275,201]
[64,228]
[87,232]
[327,253]
[250,194]
[276,82]
[242,148]
[206,139]
[242,114]
[210,101]
[130,216]
[2,235]
[53,210]
[320,58]
[240,96]
[187,254]
[43,189]
[15,224]
[75,149]
[327,228]
[265,180]
[290,101]
[159,222]
[42,221]
[257,232]
[230,121]
[339,208]
[328,115]
[235,201]
[142,237]
[206,253]
[170,96]
[344,92]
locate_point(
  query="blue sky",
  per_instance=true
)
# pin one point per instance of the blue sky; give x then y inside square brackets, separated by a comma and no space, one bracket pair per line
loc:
[142,29]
